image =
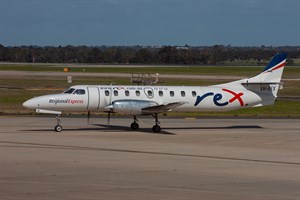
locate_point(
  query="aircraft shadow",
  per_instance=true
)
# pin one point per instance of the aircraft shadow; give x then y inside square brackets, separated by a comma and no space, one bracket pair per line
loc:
[115,128]
[213,127]
[103,128]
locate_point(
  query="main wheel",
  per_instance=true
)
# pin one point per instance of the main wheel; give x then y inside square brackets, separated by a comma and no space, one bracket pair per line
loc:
[58,128]
[134,125]
[156,128]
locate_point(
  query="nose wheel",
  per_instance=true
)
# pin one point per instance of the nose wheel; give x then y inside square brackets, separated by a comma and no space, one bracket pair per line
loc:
[58,127]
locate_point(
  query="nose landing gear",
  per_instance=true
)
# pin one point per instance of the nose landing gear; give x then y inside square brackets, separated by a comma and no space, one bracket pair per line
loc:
[58,127]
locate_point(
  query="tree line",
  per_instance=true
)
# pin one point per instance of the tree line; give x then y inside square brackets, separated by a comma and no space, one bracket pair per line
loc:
[203,55]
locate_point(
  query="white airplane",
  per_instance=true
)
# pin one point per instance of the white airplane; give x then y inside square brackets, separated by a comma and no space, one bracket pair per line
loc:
[260,90]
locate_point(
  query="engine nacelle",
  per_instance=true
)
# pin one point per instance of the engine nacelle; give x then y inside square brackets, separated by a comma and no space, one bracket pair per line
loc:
[131,107]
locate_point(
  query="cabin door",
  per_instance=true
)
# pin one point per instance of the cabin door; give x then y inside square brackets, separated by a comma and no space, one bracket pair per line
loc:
[94,98]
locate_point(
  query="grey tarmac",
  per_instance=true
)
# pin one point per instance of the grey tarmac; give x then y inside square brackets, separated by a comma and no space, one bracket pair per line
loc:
[190,159]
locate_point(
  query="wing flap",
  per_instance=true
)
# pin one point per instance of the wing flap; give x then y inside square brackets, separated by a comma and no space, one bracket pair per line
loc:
[161,108]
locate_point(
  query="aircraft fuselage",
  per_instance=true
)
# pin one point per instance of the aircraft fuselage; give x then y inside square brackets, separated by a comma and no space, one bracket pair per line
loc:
[97,98]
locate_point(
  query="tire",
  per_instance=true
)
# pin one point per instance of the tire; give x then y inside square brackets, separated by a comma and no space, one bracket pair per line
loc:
[156,129]
[134,126]
[58,128]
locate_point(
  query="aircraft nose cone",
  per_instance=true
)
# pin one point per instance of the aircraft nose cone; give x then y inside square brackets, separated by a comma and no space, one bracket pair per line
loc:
[30,104]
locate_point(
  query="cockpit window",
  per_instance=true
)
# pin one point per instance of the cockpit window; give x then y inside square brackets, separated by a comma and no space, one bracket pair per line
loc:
[69,91]
[79,91]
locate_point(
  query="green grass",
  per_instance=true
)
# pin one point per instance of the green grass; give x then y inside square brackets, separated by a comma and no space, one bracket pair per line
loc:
[290,72]
[290,88]
[11,99]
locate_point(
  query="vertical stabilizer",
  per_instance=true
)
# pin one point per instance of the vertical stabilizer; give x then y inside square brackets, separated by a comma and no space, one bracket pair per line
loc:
[267,83]
[273,71]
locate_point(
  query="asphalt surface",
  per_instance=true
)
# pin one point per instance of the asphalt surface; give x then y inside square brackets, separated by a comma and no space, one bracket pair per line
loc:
[190,159]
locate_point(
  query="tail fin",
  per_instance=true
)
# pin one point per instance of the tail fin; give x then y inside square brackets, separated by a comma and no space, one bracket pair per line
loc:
[273,71]
[267,83]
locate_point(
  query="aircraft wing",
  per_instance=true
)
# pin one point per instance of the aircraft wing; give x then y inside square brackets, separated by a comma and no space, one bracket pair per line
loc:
[161,108]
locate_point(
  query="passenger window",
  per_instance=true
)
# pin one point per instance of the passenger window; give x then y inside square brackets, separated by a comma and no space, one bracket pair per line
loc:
[160,93]
[172,93]
[116,93]
[137,93]
[127,93]
[79,91]
[149,93]
[194,93]
[183,93]
[106,93]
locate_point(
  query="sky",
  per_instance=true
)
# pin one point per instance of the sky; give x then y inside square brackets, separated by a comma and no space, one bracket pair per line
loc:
[150,22]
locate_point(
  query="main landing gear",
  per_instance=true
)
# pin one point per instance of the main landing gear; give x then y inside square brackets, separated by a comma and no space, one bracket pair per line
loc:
[135,125]
[58,127]
[156,128]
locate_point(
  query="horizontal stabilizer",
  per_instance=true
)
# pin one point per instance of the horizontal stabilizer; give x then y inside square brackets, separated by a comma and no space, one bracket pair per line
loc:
[261,83]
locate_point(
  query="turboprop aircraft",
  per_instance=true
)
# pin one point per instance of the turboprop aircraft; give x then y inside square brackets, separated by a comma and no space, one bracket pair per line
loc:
[260,90]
